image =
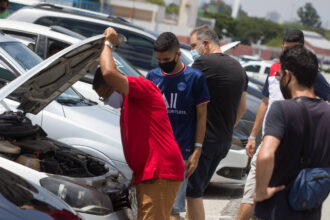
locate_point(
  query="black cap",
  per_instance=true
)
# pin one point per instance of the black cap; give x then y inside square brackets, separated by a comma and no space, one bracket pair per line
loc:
[293,35]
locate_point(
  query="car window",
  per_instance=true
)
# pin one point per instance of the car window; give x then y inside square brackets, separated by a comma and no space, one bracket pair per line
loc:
[27,39]
[55,46]
[85,28]
[6,74]
[69,94]
[138,50]
[252,68]
[267,70]
[21,54]
[122,65]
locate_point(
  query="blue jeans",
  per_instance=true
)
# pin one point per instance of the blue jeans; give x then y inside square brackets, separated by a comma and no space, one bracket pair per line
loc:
[180,200]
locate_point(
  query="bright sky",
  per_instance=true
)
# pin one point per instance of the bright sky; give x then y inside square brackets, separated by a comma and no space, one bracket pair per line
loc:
[286,8]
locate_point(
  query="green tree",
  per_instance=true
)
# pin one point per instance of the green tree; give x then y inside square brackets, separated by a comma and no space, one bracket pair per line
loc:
[157,2]
[222,8]
[172,8]
[309,16]
[251,29]
[224,25]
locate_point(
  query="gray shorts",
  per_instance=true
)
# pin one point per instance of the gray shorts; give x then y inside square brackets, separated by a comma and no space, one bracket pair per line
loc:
[250,184]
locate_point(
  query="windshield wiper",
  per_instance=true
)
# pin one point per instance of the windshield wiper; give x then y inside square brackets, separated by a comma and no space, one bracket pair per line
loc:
[70,101]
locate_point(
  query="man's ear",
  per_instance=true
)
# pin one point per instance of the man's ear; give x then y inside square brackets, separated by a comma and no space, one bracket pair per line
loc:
[206,43]
[288,75]
[179,53]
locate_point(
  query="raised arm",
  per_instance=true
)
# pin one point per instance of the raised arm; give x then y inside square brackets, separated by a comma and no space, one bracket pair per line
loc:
[111,75]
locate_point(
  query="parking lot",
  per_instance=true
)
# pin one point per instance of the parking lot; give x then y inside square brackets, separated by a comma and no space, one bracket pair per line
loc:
[61,141]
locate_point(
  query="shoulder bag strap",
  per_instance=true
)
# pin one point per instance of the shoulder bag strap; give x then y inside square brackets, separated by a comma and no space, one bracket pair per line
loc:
[304,156]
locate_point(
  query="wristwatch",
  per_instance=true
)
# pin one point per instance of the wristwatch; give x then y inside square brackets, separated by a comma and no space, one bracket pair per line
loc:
[251,138]
[108,43]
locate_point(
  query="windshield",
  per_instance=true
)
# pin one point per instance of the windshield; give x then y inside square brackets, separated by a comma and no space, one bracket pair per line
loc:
[124,67]
[70,94]
[21,54]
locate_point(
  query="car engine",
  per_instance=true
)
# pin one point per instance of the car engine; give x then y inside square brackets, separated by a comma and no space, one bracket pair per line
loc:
[29,145]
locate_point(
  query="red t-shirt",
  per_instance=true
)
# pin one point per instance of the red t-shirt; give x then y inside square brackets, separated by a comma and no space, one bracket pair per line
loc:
[149,145]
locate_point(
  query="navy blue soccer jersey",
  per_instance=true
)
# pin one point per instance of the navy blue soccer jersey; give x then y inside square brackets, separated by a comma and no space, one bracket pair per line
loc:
[182,92]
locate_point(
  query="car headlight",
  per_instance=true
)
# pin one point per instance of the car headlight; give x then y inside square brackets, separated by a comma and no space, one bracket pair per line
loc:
[81,198]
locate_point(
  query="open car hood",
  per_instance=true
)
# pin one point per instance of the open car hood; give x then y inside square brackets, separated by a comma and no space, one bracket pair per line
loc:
[229,46]
[50,78]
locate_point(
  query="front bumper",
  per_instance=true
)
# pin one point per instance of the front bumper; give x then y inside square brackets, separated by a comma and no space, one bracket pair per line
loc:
[233,168]
[124,214]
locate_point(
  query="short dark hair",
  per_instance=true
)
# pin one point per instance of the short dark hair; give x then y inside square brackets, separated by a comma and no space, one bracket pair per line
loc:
[4,1]
[294,36]
[167,41]
[302,63]
[98,80]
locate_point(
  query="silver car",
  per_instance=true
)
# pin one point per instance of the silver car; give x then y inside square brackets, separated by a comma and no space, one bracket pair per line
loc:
[35,90]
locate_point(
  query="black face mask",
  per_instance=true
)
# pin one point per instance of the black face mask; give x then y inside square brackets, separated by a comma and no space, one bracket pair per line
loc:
[168,67]
[284,89]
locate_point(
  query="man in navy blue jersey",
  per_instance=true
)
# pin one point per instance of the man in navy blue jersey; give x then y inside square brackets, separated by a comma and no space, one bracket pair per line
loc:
[186,94]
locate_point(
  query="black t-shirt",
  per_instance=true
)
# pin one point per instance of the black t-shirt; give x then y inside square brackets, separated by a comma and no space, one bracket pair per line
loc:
[226,80]
[285,121]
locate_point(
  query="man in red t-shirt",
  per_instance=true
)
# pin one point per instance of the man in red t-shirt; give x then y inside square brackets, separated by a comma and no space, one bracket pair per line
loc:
[149,145]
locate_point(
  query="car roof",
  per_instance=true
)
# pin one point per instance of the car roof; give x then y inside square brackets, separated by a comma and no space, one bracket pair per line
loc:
[25,2]
[260,62]
[84,12]
[31,14]
[21,26]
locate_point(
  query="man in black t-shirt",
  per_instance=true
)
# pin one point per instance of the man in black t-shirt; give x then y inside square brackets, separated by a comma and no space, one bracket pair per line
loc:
[278,161]
[226,80]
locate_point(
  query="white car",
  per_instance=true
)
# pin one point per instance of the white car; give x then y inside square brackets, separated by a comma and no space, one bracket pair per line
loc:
[248,58]
[138,49]
[258,69]
[45,41]
[87,124]
[29,145]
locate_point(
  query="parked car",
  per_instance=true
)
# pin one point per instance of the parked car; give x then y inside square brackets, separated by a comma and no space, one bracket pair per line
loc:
[29,145]
[257,69]
[247,58]
[86,123]
[21,199]
[138,49]
[46,41]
